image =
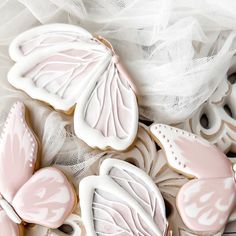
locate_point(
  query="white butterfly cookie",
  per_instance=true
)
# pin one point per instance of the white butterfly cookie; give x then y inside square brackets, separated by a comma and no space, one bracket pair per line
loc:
[65,66]
[122,200]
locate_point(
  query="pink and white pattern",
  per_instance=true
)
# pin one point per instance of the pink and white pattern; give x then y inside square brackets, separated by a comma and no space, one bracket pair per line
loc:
[205,202]
[46,197]
[66,67]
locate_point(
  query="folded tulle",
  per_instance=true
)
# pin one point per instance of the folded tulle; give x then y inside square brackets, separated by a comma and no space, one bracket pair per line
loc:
[177,51]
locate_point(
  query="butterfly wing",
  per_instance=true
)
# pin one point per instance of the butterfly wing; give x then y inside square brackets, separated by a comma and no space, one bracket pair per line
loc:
[18,152]
[139,185]
[8,227]
[107,114]
[57,71]
[47,198]
[45,37]
[205,205]
[190,154]
[111,206]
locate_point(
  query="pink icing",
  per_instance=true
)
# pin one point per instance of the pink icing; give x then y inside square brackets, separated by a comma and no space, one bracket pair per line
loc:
[46,199]
[7,227]
[109,105]
[18,152]
[206,204]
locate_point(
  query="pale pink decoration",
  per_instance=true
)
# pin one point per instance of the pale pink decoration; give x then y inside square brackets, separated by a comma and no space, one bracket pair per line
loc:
[100,112]
[45,198]
[66,67]
[205,203]
[7,227]
[18,152]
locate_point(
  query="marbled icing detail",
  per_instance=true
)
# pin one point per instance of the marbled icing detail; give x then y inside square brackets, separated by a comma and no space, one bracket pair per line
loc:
[46,199]
[206,202]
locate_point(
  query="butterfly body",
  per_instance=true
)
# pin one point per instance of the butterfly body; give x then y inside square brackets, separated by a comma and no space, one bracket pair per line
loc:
[65,66]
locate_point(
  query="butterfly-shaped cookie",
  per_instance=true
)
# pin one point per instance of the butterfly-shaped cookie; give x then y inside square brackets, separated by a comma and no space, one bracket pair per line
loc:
[122,200]
[44,197]
[206,201]
[66,67]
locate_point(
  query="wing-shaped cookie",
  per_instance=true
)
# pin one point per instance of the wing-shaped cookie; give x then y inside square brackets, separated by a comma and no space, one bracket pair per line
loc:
[191,155]
[45,37]
[47,198]
[123,200]
[107,112]
[205,203]
[63,65]
[18,152]
[59,75]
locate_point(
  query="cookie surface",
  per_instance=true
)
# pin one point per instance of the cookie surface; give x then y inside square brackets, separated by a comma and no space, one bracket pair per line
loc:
[124,200]
[66,67]
[202,204]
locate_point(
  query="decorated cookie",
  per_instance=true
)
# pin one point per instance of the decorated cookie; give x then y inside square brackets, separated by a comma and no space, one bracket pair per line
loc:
[207,200]
[71,227]
[122,200]
[176,224]
[44,197]
[144,155]
[215,120]
[64,65]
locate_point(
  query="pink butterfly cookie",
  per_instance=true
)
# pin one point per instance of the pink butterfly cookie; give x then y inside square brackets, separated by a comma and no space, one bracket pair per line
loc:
[44,197]
[206,201]
[66,67]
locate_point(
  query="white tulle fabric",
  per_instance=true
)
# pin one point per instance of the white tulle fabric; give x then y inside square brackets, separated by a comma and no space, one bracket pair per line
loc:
[177,51]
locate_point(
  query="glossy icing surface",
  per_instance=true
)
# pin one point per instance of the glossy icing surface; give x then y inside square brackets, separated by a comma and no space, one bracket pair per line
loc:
[124,201]
[206,202]
[18,152]
[64,65]
[46,197]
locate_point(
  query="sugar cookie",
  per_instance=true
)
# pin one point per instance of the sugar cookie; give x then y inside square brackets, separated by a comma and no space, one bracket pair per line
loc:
[121,200]
[65,66]
[215,120]
[44,197]
[205,202]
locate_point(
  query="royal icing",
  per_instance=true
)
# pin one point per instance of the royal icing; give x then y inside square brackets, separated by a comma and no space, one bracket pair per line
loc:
[46,197]
[121,200]
[64,66]
[206,202]
[215,119]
